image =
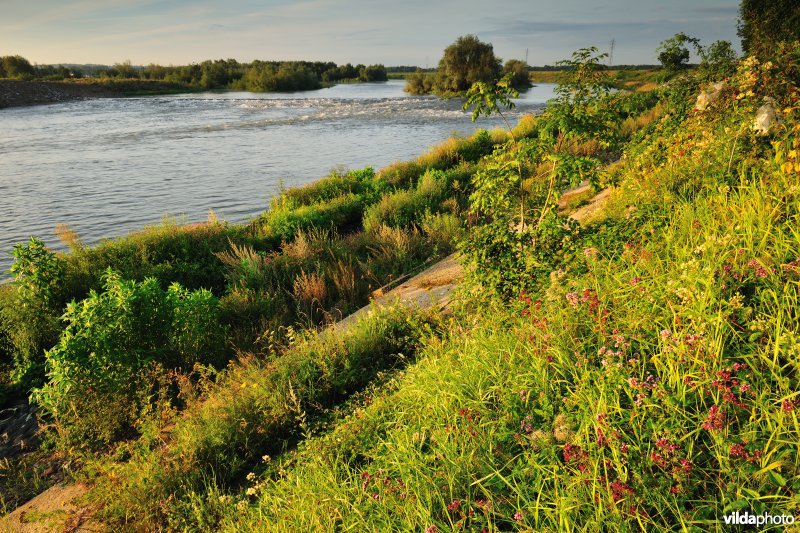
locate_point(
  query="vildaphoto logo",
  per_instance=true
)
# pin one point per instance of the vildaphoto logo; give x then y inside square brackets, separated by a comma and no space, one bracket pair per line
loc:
[747,519]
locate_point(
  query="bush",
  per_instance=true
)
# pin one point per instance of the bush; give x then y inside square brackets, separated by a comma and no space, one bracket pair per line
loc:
[110,338]
[30,309]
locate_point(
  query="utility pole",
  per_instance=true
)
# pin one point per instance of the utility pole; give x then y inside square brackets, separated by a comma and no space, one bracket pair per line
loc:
[611,54]
[526,56]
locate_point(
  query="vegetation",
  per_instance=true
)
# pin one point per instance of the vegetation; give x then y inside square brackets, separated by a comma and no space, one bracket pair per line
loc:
[258,76]
[466,61]
[764,23]
[636,370]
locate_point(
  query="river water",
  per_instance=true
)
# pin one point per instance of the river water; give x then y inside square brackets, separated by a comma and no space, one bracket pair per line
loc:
[110,166]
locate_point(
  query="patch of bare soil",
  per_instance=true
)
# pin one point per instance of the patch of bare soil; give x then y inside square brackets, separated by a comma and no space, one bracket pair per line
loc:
[56,509]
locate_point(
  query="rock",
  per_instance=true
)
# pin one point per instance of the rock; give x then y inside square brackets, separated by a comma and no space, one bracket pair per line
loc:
[708,97]
[766,117]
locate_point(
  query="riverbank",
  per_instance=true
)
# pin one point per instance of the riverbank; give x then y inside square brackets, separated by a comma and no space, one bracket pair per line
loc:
[19,93]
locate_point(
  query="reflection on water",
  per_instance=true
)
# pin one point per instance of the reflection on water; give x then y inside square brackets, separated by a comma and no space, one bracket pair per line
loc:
[110,166]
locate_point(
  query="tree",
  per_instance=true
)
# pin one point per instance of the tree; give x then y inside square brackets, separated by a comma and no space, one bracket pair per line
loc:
[15,67]
[764,23]
[373,73]
[465,62]
[718,60]
[520,78]
[673,54]
[419,83]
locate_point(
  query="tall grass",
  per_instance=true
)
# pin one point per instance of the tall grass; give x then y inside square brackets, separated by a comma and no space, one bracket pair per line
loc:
[257,408]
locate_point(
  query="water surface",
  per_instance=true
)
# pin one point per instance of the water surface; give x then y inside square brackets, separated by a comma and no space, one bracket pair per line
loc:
[110,166]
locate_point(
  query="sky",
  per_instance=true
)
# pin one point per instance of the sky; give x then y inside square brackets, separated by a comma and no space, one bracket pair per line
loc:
[392,32]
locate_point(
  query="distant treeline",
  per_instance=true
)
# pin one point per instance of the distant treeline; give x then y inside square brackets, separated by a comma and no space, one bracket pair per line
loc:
[211,74]
[603,67]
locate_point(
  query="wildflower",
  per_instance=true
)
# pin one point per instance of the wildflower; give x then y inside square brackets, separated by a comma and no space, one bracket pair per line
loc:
[251,491]
[251,476]
[787,406]
[715,419]
[601,440]
[518,516]
[591,253]
[454,505]
[431,529]
[619,490]
[658,459]
[738,451]
[623,448]
[635,280]
[572,298]
[667,446]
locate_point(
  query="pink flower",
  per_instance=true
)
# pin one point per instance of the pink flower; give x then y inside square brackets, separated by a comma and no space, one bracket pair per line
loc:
[715,419]
[635,280]
[518,516]
[619,490]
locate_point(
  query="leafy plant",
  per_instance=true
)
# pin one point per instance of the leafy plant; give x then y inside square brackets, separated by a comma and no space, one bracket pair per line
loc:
[30,314]
[95,372]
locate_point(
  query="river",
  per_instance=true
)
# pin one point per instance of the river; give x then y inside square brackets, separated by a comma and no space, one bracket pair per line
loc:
[110,166]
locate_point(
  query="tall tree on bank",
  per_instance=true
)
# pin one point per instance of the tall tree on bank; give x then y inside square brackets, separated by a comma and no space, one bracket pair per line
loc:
[765,23]
[465,62]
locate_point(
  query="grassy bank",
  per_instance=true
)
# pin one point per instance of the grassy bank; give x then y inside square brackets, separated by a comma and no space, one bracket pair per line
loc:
[638,371]
[648,382]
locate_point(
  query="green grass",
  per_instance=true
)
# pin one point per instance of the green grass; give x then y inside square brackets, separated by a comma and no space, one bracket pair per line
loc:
[650,383]
[258,407]
[597,406]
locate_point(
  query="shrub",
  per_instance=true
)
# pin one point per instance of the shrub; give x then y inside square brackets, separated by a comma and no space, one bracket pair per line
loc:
[336,184]
[110,338]
[30,308]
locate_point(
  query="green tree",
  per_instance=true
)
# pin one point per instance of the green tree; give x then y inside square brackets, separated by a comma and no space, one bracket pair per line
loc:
[520,77]
[465,62]
[765,23]
[373,73]
[673,53]
[125,70]
[718,60]
[419,82]
[16,67]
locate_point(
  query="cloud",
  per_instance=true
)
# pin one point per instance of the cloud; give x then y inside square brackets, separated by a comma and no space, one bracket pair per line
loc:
[732,11]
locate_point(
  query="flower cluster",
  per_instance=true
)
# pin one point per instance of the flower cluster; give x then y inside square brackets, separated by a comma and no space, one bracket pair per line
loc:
[715,420]
[738,451]
[379,483]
